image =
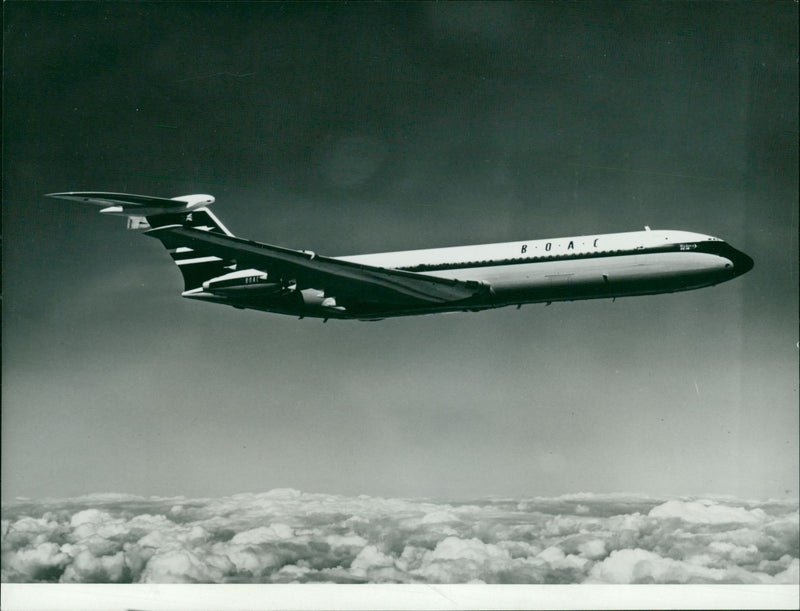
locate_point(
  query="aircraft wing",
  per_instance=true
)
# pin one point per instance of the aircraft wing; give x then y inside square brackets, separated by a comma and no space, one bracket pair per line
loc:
[342,279]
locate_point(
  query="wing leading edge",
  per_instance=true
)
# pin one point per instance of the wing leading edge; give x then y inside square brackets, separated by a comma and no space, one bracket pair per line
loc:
[346,281]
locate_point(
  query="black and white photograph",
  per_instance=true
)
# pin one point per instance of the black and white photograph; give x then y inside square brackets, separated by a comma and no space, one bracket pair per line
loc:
[400,305]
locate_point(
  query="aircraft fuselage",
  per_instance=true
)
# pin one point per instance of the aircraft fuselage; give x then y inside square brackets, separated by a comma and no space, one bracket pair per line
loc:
[559,269]
[220,267]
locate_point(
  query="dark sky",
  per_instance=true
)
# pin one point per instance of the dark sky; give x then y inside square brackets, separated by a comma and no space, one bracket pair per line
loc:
[349,128]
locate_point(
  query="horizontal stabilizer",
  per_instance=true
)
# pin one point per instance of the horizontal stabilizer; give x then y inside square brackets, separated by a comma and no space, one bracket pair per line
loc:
[126,204]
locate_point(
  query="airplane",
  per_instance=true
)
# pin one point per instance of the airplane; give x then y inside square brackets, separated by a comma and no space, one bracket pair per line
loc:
[219,267]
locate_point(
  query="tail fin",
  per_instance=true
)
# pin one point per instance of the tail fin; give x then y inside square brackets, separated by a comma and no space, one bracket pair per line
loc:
[196,267]
[145,212]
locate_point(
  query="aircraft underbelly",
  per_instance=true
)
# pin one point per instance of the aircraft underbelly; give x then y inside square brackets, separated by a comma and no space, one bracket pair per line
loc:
[625,274]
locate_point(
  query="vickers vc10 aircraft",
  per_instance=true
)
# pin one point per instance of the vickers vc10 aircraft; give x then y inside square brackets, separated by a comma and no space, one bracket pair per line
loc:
[222,268]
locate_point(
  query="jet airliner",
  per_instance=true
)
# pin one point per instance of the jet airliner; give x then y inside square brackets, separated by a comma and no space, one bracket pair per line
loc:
[219,267]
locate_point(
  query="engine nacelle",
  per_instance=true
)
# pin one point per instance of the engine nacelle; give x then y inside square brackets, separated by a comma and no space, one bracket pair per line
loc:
[312,297]
[243,281]
[316,299]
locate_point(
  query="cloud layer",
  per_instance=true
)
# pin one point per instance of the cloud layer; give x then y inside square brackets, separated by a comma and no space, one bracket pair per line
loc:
[286,536]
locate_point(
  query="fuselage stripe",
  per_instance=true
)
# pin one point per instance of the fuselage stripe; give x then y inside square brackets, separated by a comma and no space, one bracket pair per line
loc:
[717,248]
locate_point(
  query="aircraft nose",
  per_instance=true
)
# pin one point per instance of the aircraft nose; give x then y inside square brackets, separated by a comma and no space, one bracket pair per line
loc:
[741,262]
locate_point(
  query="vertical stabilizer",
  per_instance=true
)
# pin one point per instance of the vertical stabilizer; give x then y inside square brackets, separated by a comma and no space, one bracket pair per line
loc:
[196,266]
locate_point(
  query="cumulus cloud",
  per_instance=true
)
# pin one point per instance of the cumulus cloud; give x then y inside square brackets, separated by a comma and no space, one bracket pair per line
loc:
[286,536]
[706,512]
[263,534]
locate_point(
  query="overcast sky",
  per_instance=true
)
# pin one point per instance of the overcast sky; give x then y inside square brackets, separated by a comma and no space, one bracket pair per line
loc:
[350,128]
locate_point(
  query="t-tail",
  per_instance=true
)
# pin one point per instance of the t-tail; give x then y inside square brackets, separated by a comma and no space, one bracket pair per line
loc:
[145,212]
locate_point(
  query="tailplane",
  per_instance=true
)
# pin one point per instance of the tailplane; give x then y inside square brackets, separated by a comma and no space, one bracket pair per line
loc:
[146,212]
